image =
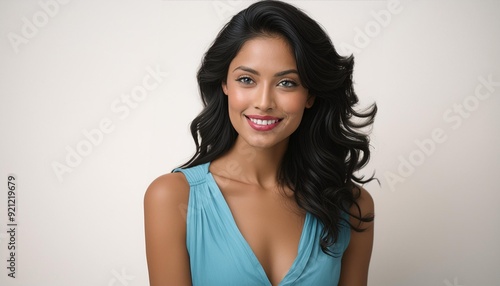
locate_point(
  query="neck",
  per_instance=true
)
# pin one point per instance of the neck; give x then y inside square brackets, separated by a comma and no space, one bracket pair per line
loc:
[251,165]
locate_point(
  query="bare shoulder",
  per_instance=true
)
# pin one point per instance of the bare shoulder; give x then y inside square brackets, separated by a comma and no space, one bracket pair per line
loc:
[165,204]
[168,189]
[364,201]
[165,207]
[166,200]
[356,258]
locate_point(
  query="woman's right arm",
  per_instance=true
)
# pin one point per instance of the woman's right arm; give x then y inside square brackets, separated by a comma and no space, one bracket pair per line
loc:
[165,207]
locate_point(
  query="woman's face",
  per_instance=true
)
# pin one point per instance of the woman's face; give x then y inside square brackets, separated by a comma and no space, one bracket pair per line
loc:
[265,95]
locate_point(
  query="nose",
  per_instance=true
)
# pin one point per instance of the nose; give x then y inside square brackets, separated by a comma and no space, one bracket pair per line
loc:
[264,100]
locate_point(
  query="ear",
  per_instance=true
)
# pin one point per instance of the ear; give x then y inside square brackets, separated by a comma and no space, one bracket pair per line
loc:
[310,101]
[224,87]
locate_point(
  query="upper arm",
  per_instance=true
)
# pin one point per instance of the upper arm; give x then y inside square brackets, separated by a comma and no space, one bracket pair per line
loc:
[356,258]
[165,205]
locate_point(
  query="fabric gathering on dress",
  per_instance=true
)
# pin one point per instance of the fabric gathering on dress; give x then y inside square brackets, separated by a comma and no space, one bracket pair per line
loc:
[220,255]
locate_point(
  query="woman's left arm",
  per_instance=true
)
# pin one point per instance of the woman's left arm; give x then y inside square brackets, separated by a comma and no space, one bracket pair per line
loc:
[356,258]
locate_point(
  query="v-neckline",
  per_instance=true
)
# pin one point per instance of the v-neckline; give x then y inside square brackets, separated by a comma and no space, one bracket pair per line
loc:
[303,250]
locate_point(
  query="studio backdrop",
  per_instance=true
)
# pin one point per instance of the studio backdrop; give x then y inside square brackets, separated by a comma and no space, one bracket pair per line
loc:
[96,98]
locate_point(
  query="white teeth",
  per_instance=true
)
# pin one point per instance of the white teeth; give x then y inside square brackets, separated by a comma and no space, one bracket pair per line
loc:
[263,122]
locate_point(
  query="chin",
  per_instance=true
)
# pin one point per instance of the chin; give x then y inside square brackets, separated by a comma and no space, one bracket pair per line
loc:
[266,143]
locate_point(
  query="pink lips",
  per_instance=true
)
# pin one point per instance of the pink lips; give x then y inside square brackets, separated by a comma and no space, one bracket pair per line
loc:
[262,127]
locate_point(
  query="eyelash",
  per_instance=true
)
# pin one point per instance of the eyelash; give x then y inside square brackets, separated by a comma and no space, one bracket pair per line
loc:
[245,79]
[293,83]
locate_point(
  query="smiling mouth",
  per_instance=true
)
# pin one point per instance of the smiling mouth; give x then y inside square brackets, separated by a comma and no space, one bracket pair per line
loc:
[263,120]
[263,123]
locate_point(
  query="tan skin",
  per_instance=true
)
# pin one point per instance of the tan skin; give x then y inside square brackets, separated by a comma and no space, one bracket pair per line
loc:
[262,80]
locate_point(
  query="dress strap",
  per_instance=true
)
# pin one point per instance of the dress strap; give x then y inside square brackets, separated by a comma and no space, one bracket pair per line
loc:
[195,174]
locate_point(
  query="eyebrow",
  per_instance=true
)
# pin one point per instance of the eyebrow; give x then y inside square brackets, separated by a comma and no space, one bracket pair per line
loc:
[281,73]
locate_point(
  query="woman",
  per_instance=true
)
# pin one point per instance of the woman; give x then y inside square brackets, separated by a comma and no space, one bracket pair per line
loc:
[270,197]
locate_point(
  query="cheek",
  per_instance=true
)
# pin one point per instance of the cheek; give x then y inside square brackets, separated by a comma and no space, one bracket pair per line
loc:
[238,98]
[293,103]
[237,101]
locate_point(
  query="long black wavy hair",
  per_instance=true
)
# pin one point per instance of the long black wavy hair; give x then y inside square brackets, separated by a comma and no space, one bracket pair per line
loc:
[327,147]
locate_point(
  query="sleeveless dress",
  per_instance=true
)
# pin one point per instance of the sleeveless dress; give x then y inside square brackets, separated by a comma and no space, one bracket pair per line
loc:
[219,254]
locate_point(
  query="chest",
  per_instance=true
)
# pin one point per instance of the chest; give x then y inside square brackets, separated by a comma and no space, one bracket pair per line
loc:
[270,222]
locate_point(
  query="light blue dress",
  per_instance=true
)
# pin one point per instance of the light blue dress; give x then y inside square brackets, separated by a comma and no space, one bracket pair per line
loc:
[219,254]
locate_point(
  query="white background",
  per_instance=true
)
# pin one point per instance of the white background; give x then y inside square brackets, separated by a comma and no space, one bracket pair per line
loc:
[437,208]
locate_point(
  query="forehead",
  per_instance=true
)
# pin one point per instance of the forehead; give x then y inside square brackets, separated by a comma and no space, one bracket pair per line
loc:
[267,53]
